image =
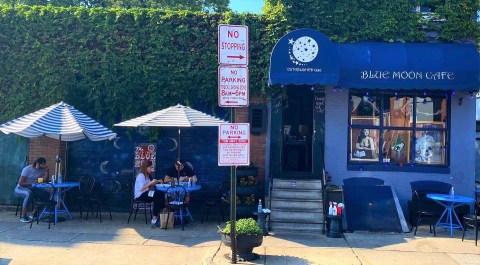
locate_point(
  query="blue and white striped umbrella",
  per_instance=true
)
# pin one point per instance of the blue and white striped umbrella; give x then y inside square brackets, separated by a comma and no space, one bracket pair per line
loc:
[59,121]
[175,116]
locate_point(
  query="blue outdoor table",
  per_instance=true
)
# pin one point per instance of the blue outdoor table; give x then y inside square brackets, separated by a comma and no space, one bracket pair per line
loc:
[164,187]
[61,188]
[450,203]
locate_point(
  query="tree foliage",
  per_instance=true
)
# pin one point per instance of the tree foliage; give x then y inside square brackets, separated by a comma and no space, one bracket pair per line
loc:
[194,5]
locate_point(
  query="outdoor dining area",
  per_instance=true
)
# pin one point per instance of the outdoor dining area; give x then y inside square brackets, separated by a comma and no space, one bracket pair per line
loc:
[93,194]
[433,203]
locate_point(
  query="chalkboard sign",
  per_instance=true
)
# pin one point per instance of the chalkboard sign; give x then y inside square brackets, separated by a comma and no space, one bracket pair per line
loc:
[145,152]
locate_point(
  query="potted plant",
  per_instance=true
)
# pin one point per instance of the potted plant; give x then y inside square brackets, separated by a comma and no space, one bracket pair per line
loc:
[249,236]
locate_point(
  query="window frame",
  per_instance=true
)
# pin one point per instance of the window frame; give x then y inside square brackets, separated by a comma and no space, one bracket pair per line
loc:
[411,166]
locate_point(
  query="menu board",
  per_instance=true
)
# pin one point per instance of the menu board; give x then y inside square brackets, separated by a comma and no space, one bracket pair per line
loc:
[145,152]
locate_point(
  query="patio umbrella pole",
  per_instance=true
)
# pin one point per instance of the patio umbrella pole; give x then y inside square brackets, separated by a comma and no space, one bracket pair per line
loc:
[178,147]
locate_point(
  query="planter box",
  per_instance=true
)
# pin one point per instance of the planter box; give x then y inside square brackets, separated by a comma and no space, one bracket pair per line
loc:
[252,171]
[247,190]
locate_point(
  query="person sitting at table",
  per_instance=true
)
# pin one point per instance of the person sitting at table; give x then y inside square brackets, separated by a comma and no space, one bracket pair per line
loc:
[29,175]
[183,172]
[145,189]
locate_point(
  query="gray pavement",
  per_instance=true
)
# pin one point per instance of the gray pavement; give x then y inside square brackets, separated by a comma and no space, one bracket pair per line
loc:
[115,242]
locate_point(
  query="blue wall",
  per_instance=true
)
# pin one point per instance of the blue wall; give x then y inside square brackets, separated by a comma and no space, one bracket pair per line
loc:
[198,146]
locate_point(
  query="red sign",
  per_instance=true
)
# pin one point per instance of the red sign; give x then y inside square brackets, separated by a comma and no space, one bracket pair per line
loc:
[145,152]
[233,86]
[234,144]
[233,44]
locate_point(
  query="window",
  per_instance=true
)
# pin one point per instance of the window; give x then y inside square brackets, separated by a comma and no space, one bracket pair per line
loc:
[393,129]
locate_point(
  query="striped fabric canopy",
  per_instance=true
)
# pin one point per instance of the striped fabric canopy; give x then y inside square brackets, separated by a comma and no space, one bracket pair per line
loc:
[59,121]
[176,116]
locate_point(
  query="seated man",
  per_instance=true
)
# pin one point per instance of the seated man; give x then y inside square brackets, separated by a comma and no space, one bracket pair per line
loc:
[183,172]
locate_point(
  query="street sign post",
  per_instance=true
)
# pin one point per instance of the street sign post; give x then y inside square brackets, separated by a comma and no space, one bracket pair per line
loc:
[233,86]
[234,144]
[233,44]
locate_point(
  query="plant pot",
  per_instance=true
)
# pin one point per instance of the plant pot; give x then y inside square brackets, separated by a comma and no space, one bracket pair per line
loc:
[245,245]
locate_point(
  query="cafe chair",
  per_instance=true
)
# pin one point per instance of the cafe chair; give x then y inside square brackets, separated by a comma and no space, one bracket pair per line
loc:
[424,211]
[138,204]
[85,192]
[217,202]
[108,188]
[43,204]
[472,220]
[175,202]
[423,208]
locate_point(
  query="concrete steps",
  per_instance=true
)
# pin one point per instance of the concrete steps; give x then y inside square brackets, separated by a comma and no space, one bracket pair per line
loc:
[296,205]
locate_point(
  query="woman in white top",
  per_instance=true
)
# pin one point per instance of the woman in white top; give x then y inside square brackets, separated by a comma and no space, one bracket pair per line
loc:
[144,184]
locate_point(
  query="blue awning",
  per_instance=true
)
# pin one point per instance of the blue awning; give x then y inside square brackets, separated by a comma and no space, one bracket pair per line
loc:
[304,56]
[378,65]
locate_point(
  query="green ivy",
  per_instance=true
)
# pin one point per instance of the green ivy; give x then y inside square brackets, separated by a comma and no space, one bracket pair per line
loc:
[115,64]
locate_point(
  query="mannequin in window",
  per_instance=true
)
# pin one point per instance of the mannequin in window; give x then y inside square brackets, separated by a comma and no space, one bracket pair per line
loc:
[365,146]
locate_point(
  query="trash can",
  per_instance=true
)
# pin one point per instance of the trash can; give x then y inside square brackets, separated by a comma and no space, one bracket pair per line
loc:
[334,226]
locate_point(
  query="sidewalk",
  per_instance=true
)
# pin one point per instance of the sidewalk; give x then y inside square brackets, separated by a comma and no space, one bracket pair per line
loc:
[116,242]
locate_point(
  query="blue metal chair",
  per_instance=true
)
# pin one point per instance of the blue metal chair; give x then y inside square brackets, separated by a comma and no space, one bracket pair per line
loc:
[175,201]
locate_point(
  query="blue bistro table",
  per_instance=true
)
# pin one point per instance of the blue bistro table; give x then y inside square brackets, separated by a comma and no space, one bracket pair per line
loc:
[61,188]
[450,203]
[164,188]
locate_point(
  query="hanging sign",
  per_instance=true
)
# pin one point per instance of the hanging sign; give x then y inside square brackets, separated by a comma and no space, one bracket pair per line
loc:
[233,44]
[233,86]
[145,152]
[234,144]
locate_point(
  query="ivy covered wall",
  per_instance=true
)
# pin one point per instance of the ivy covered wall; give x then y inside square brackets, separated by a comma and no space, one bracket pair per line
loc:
[115,64]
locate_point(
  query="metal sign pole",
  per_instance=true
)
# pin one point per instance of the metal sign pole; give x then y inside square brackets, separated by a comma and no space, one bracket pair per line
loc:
[233,205]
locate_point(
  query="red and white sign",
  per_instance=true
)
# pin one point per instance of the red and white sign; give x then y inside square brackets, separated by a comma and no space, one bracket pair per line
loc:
[233,44]
[234,144]
[233,86]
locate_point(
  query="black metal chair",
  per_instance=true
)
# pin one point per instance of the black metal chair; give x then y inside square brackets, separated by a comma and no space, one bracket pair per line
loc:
[472,220]
[109,186]
[43,204]
[423,208]
[216,202]
[85,192]
[175,201]
[138,204]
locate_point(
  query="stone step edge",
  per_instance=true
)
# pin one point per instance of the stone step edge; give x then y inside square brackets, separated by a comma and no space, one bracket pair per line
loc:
[295,189]
[298,180]
[290,221]
[297,210]
[295,200]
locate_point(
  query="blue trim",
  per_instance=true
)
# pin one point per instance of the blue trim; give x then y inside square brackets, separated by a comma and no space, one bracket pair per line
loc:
[306,56]
[397,168]
[376,65]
